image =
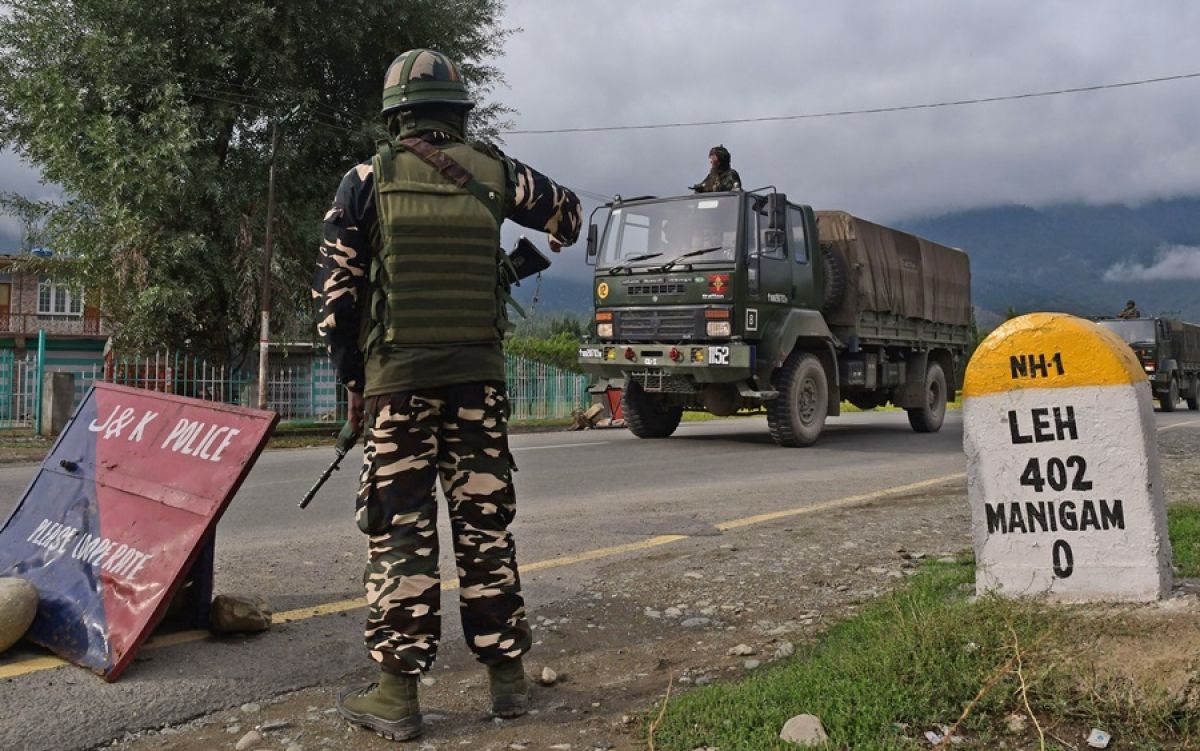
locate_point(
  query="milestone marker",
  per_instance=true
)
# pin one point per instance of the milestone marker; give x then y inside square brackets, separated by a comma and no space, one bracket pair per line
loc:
[1063,476]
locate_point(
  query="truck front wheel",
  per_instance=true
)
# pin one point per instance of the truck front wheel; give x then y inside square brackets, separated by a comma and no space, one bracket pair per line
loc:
[1171,398]
[648,415]
[928,417]
[797,416]
[1194,400]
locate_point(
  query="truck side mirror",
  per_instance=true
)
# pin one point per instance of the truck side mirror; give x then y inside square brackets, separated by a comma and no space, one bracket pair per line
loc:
[773,239]
[777,211]
[592,248]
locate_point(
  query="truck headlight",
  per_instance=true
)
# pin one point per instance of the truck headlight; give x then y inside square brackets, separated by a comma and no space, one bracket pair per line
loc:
[719,328]
[604,330]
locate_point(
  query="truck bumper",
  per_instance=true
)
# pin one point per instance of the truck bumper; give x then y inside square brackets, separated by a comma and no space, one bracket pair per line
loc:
[702,363]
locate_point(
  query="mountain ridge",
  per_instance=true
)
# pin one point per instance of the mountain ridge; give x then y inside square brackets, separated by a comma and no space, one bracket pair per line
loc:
[1025,258]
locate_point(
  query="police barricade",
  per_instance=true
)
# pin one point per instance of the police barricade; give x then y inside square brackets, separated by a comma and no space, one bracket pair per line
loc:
[123,513]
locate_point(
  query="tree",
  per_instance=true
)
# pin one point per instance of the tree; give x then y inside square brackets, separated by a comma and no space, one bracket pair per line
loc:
[155,117]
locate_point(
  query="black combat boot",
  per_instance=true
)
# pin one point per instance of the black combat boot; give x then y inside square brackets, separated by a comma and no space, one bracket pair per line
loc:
[509,688]
[388,707]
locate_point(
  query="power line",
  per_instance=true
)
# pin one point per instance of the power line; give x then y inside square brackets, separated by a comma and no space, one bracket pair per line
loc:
[593,195]
[263,107]
[868,111]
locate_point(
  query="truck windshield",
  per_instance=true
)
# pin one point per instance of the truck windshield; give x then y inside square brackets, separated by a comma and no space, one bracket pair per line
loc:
[1131,331]
[666,231]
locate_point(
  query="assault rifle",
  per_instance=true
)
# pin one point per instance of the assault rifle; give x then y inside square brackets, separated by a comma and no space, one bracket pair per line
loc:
[345,441]
[524,261]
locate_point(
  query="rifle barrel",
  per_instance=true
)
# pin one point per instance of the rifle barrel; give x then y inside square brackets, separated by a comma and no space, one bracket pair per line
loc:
[312,492]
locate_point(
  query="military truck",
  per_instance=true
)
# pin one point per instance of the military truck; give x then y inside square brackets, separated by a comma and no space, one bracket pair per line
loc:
[1169,351]
[725,302]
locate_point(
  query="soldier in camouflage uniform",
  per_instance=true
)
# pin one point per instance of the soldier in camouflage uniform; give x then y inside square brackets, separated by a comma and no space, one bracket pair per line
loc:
[721,176]
[413,313]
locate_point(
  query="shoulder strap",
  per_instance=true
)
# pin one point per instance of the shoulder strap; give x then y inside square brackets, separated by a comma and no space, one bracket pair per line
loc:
[455,173]
[383,165]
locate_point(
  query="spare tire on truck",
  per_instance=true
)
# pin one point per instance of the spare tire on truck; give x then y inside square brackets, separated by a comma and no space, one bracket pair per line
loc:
[837,275]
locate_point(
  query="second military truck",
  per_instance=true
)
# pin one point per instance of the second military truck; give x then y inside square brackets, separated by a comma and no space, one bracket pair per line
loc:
[721,302]
[1169,352]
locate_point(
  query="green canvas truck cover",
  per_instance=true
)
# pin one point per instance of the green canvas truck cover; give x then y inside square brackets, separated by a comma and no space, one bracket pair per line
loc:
[890,271]
[1185,341]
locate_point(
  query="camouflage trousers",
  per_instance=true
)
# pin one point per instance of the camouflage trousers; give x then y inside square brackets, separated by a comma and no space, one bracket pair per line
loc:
[458,434]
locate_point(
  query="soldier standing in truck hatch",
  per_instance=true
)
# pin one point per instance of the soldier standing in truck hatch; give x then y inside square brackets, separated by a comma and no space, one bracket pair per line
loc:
[1130,311]
[721,176]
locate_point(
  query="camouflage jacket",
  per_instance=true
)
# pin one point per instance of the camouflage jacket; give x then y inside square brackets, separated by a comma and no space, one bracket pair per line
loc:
[718,181]
[350,235]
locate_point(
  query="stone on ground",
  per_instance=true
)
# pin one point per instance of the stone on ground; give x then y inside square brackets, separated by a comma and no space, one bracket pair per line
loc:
[249,740]
[18,606]
[232,614]
[804,730]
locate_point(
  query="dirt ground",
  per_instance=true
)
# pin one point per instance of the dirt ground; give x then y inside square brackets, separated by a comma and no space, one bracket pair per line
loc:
[675,615]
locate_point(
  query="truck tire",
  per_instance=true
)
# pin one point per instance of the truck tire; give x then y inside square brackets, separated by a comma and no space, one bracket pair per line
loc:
[836,275]
[648,415]
[928,418]
[797,416]
[1194,400]
[1171,398]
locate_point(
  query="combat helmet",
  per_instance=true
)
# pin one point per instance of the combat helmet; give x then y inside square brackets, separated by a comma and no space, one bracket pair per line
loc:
[423,76]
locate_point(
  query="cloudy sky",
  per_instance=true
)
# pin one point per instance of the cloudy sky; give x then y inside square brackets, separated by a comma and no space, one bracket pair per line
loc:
[585,64]
[580,64]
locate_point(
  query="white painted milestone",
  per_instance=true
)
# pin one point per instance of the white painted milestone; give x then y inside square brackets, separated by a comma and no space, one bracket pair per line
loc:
[1063,477]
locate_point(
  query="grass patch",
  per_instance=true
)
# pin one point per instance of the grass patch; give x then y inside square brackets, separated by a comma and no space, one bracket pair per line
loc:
[913,660]
[847,407]
[1183,525]
[695,416]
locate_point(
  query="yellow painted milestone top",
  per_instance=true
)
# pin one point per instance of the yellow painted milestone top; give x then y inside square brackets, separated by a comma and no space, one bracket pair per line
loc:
[1050,350]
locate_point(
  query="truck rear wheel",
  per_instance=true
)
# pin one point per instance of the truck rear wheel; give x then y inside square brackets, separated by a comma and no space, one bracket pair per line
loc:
[648,415]
[1194,400]
[797,416]
[928,418]
[1171,398]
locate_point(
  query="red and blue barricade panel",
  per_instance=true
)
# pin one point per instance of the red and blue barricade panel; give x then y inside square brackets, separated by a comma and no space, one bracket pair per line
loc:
[124,505]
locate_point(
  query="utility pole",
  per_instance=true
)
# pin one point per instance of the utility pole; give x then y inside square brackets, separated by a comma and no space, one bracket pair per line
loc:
[264,337]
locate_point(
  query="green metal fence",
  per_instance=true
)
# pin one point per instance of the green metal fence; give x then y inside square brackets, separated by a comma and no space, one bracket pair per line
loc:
[537,391]
[305,389]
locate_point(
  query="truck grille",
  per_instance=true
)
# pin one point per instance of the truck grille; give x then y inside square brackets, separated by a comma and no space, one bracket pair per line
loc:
[660,324]
[655,289]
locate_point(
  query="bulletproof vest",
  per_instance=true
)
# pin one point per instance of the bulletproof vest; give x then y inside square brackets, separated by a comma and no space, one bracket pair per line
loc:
[435,279]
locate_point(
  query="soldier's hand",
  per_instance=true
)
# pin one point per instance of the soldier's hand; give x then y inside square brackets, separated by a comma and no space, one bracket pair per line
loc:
[356,409]
[555,245]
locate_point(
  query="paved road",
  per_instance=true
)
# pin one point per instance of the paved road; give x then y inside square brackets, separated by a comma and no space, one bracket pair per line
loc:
[578,493]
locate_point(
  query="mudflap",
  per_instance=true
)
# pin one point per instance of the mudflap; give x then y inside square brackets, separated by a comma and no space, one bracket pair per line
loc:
[607,392]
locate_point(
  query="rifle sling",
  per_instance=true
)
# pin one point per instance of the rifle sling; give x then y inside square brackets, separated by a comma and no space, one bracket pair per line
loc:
[454,172]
